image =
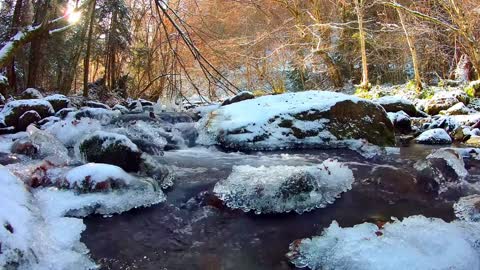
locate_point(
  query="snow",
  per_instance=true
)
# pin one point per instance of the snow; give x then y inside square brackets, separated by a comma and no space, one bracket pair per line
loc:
[398,116]
[278,189]
[434,136]
[10,106]
[141,130]
[388,100]
[69,132]
[103,115]
[32,92]
[468,208]
[97,173]
[6,141]
[32,240]
[57,97]
[110,138]
[245,121]
[416,243]
[202,111]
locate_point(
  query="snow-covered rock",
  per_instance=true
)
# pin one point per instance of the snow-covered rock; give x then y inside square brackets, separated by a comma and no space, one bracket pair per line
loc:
[296,120]
[96,104]
[135,107]
[31,238]
[58,101]
[121,108]
[244,95]
[468,208]
[458,109]
[13,110]
[444,100]
[393,104]
[110,148]
[401,121]
[31,93]
[442,171]
[26,119]
[97,177]
[48,146]
[69,131]
[415,243]
[279,189]
[105,116]
[434,136]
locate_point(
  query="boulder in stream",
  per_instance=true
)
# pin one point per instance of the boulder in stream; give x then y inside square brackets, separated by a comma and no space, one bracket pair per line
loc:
[110,148]
[297,120]
[282,189]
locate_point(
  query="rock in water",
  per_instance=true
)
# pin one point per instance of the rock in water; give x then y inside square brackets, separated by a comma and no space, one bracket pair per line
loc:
[297,120]
[111,148]
[434,136]
[401,121]
[416,243]
[443,170]
[468,208]
[12,112]
[393,104]
[281,189]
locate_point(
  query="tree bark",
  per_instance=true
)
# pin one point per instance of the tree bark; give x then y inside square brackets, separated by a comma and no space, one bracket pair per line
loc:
[36,45]
[86,63]
[359,7]
[332,69]
[413,52]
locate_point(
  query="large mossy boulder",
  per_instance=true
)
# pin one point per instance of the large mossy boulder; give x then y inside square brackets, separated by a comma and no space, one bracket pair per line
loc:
[297,120]
[111,148]
[12,112]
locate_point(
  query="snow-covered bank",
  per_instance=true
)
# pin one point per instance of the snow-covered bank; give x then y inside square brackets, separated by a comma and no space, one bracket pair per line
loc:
[297,120]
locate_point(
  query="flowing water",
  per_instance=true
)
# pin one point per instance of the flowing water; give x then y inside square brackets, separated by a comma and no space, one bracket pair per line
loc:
[193,230]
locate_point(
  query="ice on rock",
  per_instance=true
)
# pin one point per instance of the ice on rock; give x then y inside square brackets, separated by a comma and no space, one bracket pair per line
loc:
[70,131]
[48,146]
[97,174]
[468,208]
[140,193]
[30,240]
[279,189]
[416,243]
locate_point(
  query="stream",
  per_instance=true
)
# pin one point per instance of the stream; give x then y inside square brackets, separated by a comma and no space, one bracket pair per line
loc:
[194,230]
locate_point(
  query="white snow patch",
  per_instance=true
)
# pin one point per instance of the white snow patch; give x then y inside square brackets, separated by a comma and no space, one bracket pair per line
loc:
[71,131]
[434,136]
[416,243]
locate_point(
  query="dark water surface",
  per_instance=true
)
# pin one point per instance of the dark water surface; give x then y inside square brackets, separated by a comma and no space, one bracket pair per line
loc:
[193,230]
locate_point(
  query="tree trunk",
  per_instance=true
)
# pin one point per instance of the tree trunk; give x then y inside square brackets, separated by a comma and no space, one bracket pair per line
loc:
[332,69]
[36,45]
[86,63]
[11,75]
[359,7]
[413,52]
